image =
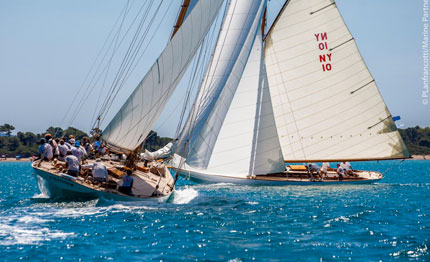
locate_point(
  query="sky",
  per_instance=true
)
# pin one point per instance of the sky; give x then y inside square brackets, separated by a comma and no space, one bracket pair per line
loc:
[47,48]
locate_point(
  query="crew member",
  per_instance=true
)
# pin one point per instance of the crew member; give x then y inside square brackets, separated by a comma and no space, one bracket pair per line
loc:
[100,172]
[72,164]
[340,172]
[127,183]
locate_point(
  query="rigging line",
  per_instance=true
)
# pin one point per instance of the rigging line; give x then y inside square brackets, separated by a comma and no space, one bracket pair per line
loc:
[199,74]
[113,53]
[118,34]
[399,163]
[162,98]
[124,64]
[130,70]
[208,54]
[190,88]
[135,62]
[203,94]
[125,71]
[91,85]
[133,54]
[126,58]
[89,89]
[122,40]
[185,98]
[92,65]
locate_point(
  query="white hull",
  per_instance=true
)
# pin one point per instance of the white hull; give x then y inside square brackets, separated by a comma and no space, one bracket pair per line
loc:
[200,177]
[60,187]
[287,178]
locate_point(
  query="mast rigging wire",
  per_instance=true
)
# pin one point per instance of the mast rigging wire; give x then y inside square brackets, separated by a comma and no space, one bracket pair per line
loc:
[92,85]
[93,65]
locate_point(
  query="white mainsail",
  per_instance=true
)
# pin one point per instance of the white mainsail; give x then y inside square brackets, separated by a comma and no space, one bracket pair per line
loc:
[326,103]
[132,123]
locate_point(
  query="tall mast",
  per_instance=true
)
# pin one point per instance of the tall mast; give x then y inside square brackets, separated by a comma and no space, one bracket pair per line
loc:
[181,16]
[276,19]
[263,22]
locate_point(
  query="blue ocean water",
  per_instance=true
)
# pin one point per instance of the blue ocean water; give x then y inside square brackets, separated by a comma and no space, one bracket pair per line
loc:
[389,220]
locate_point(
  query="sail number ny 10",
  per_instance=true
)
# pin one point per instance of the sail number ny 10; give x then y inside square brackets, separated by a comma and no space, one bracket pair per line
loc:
[325,59]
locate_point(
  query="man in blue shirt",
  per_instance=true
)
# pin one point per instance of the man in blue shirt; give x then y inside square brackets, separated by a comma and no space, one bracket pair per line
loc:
[127,183]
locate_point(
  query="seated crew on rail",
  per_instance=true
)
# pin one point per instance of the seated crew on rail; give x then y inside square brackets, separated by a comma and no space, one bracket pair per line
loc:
[45,151]
[127,183]
[314,168]
[340,172]
[72,165]
[99,171]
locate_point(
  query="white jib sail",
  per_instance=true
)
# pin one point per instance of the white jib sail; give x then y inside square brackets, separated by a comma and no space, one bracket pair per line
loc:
[326,103]
[248,143]
[234,44]
[137,116]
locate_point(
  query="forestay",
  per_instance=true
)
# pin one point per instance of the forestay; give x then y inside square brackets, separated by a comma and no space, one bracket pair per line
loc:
[326,103]
[132,123]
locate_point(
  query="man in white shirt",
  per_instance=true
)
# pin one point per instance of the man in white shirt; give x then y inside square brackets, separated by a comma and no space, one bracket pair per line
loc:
[314,168]
[45,151]
[62,150]
[324,169]
[100,172]
[347,168]
[78,151]
[72,164]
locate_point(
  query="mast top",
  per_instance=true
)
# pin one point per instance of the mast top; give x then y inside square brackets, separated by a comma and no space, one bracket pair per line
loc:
[181,16]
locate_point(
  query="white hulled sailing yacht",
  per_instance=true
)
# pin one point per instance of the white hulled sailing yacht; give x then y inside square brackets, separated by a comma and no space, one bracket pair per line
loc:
[298,93]
[128,129]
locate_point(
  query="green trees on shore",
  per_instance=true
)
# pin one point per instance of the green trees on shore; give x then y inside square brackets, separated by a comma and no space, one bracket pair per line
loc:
[417,140]
[27,144]
[7,129]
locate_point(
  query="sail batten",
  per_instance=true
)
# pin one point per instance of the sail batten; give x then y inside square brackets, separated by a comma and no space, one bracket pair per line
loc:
[133,122]
[324,97]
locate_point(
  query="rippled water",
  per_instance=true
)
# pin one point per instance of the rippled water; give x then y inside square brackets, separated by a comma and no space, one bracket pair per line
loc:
[389,220]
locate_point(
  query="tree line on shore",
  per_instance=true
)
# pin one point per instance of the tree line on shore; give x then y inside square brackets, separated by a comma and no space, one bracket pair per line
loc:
[26,144]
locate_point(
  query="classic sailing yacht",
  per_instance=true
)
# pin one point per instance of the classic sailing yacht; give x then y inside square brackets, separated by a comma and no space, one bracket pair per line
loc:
[130,126]
[299,93]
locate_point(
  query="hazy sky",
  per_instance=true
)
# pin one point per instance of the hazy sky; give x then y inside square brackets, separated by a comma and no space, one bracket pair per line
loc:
[48,46]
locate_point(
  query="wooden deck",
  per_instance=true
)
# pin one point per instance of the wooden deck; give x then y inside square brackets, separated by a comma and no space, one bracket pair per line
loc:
[145,185]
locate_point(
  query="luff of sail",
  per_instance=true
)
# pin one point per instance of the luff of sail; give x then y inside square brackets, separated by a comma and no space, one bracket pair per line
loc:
[326,103]
[132,123]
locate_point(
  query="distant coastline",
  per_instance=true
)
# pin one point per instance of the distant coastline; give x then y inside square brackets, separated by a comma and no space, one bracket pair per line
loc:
[420,157]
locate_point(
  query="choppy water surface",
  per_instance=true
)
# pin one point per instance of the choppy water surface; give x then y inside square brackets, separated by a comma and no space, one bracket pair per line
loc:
[389,220]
